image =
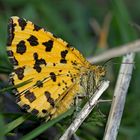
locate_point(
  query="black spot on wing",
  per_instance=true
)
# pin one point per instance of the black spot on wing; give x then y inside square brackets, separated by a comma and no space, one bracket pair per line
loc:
[74,63]
[48,45]
[18,99]
[15,91]
[64,53]
[20,72]
[68,45]
[25,107]
[72,80]
[10,53]
[11,29]
[63,56]
[37,68]
[35,55]
[21,47]
[33,40]
[34,111]
[30,96]
[38,62]
[22,23]
[53,76]
[49,98]
[36,28]
[39,83]
[63,61]
[11,81]
[13,61]
[64,82]
[44,111]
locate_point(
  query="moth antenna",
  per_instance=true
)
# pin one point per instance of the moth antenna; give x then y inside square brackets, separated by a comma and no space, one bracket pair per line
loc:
[104,64]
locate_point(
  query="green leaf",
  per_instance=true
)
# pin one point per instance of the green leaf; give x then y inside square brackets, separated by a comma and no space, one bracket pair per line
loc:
[12,125]
[2,128]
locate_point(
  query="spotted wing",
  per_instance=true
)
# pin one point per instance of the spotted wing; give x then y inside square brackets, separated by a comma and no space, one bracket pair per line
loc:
[49,62]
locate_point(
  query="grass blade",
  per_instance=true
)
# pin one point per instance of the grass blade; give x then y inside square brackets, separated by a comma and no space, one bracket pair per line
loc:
[45,126]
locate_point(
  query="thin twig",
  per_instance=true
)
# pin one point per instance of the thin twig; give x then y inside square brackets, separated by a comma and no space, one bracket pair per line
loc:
[85,111]
[116,52]
[118,101]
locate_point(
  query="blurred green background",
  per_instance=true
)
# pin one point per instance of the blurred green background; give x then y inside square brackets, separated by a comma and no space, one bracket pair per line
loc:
[92,26]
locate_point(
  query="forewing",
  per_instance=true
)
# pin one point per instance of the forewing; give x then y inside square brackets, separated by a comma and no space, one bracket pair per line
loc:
[49,62]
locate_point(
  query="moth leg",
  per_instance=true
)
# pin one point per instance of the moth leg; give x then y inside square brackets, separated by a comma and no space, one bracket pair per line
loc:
[77,103]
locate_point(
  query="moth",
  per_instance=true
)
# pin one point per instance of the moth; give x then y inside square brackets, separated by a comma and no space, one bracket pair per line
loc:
[58,73]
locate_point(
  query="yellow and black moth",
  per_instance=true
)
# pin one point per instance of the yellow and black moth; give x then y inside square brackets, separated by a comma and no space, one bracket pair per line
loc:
[58,72]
